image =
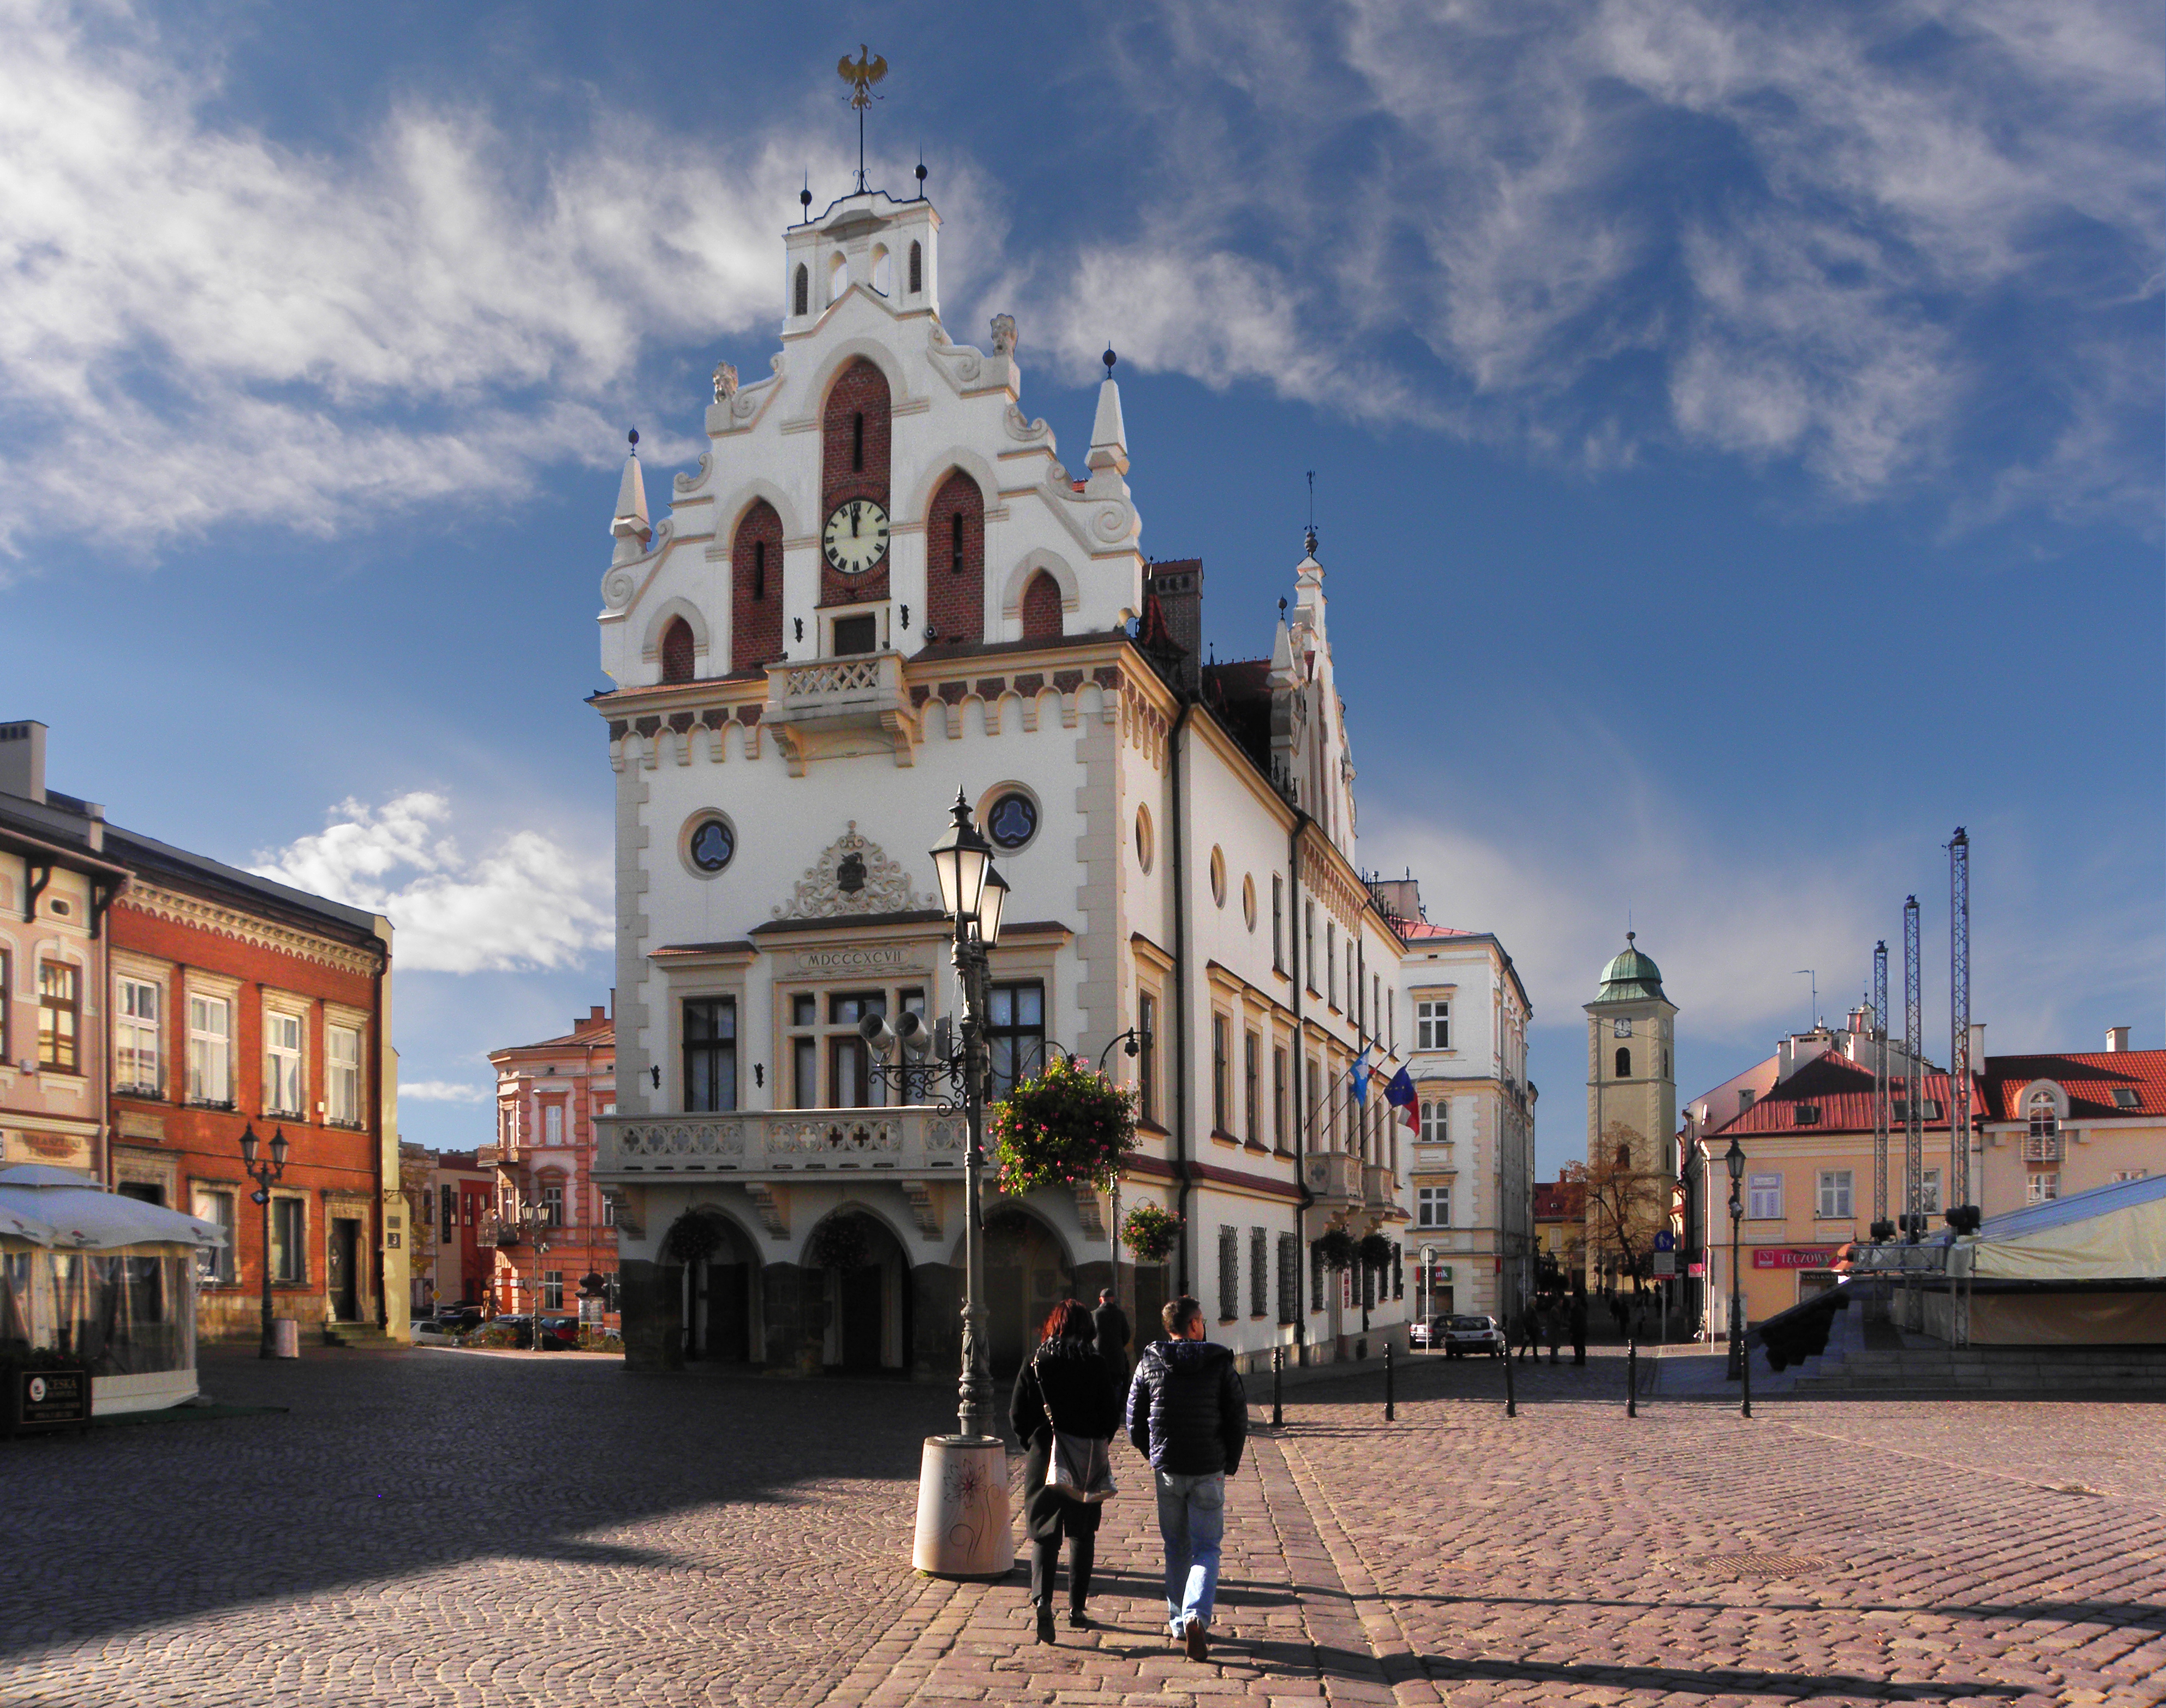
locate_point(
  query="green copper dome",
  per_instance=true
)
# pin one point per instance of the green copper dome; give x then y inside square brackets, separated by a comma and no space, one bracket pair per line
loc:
[1632,976]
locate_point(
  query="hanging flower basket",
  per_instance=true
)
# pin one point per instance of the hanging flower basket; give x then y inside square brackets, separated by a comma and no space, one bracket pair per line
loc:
[1375,1252]
[1336,1249]
[840,1242]
[1150,1232]
[1068,1126]
[693,1238]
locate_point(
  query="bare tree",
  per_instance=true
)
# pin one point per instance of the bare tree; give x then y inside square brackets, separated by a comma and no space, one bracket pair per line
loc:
[1625,1206]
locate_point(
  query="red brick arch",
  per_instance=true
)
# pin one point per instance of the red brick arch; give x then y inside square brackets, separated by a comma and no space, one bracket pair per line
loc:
[755,588]
[1041,607]
[955,581]
[855,436]
[677,650]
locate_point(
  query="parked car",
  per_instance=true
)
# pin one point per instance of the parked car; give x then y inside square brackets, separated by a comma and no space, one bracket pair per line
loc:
[1463,1336]
[1426,1331]
[558,1334]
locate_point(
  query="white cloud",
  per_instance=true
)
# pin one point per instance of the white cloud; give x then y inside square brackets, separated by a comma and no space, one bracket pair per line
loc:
[531,902]
[1843,238]
[441,1091]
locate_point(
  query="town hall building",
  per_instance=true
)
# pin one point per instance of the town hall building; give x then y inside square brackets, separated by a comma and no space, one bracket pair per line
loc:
[880,586]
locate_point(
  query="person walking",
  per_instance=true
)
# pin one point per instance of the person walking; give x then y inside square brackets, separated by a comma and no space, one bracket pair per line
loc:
[1525,1331]
[1066,1386]
[1110,1324]
[1188,1415]
[1553,1325]
[1579,1322]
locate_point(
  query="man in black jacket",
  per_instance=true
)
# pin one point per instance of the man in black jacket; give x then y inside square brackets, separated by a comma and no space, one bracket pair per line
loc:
[1188,1415]
[1110,1324]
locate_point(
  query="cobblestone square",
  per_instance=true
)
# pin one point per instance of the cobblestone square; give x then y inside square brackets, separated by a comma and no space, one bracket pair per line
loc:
[435,1527]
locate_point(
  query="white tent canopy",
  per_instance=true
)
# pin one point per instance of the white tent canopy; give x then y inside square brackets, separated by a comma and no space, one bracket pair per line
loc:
[59,1207]
[2111,1233]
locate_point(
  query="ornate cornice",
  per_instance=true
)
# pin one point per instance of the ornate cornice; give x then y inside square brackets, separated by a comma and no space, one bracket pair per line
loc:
[246,927]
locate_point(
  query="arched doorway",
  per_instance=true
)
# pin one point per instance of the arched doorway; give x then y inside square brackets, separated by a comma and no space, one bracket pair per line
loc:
[1027,1273]
[865,1272]
[724,1302]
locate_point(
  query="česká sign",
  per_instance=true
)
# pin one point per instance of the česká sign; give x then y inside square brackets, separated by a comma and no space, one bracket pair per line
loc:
[1793,1257]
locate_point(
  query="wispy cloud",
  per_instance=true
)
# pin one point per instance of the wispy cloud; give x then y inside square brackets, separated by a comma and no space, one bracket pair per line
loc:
[441,1091]
[1895,245]
[531,902]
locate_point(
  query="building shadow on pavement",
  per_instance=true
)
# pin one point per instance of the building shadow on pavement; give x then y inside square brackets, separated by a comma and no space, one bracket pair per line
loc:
[1607,1680]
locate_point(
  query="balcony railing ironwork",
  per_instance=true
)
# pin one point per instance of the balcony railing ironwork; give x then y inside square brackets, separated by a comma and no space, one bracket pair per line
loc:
[781,1140]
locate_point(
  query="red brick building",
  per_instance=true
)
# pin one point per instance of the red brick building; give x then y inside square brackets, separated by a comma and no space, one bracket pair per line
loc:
[236,1002]
[547,1096]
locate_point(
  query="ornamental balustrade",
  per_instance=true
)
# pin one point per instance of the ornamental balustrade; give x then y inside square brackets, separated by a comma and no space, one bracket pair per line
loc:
[756,1142]
[1332,1174]
[1380,1186]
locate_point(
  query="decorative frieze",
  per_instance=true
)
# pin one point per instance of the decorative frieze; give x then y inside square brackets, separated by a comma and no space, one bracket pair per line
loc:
[243,927]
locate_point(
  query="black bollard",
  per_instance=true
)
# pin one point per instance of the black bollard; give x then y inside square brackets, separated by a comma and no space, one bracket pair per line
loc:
[1632,1378]
[1391,1411]
[1511,1398]
[1745,1364]
[1278,1372]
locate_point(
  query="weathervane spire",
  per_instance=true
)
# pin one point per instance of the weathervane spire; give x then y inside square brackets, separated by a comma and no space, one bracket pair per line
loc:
[861,74]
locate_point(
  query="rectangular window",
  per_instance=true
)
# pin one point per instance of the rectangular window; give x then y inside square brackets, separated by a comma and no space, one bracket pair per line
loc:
[1315,1102]
[1279,1069]
[2121,1174]
[1928,1191]
[1308,945]
[805,1052]
[1017,1034]
[552,1205]
[60,1017]
[1259,1272]
[1147,1058]
[609,1211]
[137,1061]
[1834,1194]
[1278,924]
[1217,1073]
[1289,1255]
[1229,1273]
[1436,1123]
[849,1085]
[448,1204]
[342,1074]
[282,1063]
[216,1268]
[290,1233]
[1433,1207]
[1316,1277]
[553,1289]
[210,1051]
[1252,1076]
[711,1054]
[552,1122]
[1765,1204]
[1330,964]
[1432,1024]
[2045,1184]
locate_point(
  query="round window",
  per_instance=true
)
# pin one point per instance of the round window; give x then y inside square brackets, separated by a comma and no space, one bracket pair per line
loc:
[1143,837]
[1249,901]
[1013,821]
[1218,877]
[711,844]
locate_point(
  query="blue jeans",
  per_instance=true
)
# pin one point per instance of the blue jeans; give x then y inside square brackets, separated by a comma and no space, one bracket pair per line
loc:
[1191,1519]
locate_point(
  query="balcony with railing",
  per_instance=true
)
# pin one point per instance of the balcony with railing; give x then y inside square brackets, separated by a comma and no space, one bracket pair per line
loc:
[1332,1176]
[505,1232]
[781,1141]
[835,705]
[1380,1187]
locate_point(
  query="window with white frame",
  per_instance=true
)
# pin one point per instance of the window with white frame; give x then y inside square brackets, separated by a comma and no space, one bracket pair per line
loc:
[609,1211]
[1835,1189]
[2045,1184]
[553,1289]
[289,1237]
[552,1122]
[342,1074]
[552,1203]
[1433,1207]
[2121,1174]
[283,1082]
[60,1017]
[215,1205]
[137,1066]
[2043,1142]
[1436,1123]
[210,1049]
[1432,1024]
[1928,1191]
[1764,1199]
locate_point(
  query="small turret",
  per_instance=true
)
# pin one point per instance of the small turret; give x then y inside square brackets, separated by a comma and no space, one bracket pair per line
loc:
[630,527]
[1109,434]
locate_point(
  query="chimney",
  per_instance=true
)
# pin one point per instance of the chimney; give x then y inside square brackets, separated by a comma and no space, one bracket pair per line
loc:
[1399,898]
[2117,1039]
[1178,587]
[22,760]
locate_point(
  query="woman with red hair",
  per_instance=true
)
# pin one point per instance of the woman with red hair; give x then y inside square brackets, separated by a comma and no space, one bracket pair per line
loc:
[1066,1386]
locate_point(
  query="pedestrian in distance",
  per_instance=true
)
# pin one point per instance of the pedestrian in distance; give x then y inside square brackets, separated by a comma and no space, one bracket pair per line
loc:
[1553,1325]
[1579,1322]
[1110,1324]
[1188,1415]
[1065,1387]
[1525,1332]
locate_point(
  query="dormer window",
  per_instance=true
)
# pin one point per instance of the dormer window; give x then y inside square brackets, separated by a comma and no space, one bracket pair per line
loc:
[2126,1097]
[2044,1117]
[1805,1114]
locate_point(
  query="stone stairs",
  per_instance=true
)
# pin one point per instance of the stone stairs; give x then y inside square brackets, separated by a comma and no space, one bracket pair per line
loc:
[360,1335]
[1985,1369]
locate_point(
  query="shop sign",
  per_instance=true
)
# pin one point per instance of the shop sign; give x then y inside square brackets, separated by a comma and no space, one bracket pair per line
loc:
[1793,1257]
[44,1400]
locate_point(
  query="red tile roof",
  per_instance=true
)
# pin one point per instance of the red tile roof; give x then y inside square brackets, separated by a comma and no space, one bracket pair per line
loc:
[1412,930]
[1560,1201]
[2088,1077]
[1841,1091]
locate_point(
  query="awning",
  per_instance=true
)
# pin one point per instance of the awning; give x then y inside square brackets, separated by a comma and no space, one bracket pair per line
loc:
[67,1211]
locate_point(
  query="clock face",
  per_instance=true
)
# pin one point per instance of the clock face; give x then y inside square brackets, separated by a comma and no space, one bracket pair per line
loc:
[855,537]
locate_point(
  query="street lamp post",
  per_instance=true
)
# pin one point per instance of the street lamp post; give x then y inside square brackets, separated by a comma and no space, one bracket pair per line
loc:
[264,1174]
[1734,1160]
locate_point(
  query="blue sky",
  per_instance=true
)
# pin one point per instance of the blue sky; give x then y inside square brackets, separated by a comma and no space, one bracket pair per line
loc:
[1736,429]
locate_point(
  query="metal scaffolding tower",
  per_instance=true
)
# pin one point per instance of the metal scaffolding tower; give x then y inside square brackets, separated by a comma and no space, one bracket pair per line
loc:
[1913,1081]
[1959,1062]
[1882,1227]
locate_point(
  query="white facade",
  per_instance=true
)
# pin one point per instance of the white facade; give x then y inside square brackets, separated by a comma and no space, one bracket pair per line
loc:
[1461,1027]
[785,758]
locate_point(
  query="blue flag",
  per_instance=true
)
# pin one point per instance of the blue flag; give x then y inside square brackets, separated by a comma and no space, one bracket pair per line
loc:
[1359,1074]
[1399,1093]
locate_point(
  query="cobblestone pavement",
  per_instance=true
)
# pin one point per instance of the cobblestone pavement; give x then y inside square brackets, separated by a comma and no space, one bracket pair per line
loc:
[446,1528]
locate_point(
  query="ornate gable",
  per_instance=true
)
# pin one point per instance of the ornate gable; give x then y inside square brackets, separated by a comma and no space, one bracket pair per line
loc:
[852,875]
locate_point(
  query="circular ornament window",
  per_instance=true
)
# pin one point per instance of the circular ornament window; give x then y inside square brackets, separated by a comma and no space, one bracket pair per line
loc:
[1218,876]
[1143,837]
[1013,820]
[710,843]
[1249,901]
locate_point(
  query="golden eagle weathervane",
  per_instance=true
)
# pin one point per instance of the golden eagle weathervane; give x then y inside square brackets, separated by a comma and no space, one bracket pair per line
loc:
[861,74]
